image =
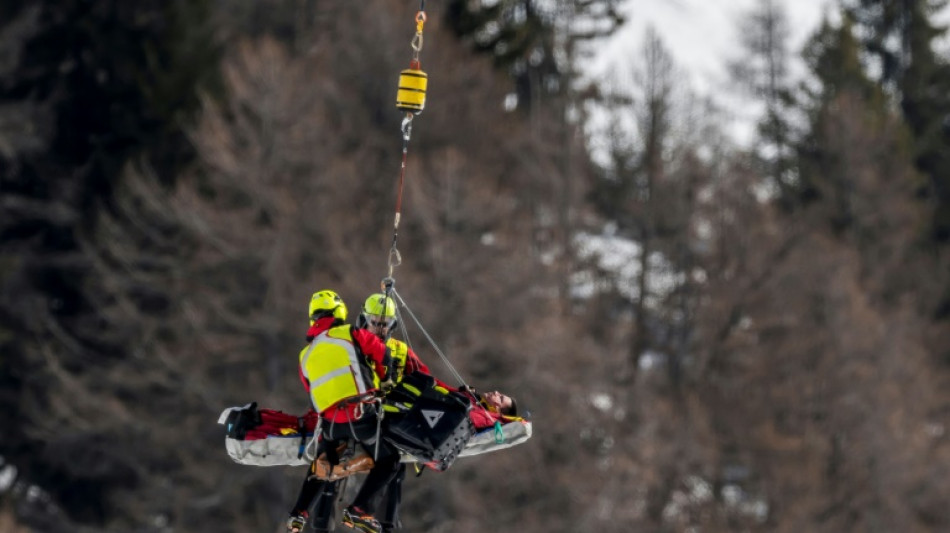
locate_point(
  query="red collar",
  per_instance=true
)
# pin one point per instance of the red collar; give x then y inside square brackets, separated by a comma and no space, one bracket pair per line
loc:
[320,326]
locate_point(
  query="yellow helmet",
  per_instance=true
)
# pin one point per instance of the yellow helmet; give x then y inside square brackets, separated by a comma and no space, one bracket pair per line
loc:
[378,304]
[327,303]
[378,311]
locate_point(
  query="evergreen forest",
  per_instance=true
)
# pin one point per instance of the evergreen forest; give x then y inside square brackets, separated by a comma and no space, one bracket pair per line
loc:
[710,336]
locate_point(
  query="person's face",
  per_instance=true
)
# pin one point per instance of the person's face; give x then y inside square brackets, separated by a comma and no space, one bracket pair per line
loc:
[379,325]
[497,400]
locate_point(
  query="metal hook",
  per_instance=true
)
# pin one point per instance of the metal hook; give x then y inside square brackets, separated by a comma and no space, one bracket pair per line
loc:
[394,260]
[407,126]
[417,43]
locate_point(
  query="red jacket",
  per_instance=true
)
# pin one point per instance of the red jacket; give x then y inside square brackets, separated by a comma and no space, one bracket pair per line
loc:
[376,353]
[414,364]
[481,416]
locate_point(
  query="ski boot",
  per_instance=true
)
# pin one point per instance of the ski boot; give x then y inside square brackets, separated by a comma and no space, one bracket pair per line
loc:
[356,518]
[296,522]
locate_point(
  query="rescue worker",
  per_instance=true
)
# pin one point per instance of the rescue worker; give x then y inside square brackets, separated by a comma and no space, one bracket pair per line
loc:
[378,317]
[344,369]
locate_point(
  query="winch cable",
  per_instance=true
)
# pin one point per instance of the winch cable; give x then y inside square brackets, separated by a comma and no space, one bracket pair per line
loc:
[410,98]
[402,304]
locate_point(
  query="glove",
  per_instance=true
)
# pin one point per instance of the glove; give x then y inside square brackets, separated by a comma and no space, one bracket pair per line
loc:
[387,385]
[296,522]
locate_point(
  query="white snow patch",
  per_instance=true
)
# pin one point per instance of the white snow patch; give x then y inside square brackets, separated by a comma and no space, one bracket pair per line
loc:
[7,478]
[601,401]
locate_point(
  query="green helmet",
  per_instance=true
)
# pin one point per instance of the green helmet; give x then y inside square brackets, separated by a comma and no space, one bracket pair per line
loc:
[327,303]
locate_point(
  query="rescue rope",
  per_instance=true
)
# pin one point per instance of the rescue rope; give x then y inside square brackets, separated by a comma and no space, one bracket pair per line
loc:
[402,303]
[314,441]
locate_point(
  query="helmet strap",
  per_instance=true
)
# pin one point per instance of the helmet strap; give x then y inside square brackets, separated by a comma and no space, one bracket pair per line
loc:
[323,313]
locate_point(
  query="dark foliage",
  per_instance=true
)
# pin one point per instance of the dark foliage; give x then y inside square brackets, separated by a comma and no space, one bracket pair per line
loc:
[76,113]
[695,354]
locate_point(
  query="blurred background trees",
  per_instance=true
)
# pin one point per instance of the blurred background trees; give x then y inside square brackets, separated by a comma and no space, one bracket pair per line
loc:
[706,335]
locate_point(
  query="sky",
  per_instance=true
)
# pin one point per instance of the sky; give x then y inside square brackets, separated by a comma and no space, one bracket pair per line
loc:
[702,37]
[702,34]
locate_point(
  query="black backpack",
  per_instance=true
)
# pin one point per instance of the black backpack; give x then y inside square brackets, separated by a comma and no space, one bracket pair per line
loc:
[428,423]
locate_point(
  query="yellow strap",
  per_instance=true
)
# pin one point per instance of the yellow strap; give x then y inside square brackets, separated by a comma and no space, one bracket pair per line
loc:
[420,21]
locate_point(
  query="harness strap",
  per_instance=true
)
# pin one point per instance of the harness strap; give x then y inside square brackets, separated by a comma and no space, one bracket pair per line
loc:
[302,429]
[333,457]
[379,426]
[315,441]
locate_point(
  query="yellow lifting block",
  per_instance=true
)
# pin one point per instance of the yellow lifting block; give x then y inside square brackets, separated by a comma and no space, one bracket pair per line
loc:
[411,96]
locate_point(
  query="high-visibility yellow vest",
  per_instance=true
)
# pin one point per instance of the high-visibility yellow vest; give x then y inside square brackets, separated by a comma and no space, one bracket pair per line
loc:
[399,351]
[334,370]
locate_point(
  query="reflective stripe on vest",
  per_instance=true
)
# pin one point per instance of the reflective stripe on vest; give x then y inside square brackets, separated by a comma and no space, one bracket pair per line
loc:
[332,367]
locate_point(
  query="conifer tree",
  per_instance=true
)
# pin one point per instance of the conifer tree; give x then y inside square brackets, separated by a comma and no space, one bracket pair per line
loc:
[93,87]
[900,37]
[525,37]
[833,57]
[764,71]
